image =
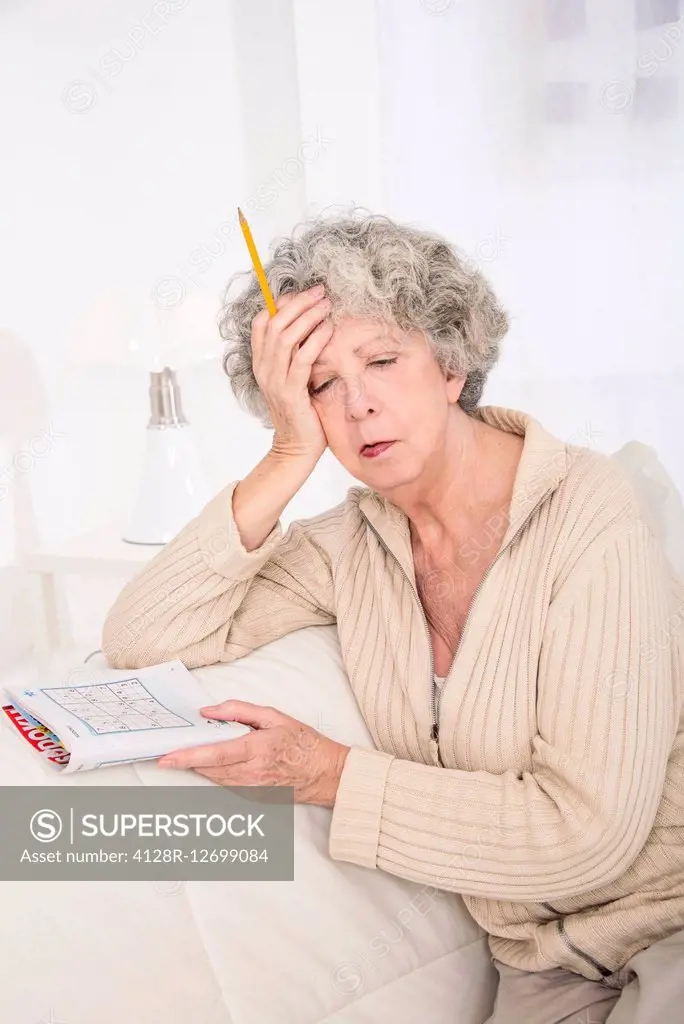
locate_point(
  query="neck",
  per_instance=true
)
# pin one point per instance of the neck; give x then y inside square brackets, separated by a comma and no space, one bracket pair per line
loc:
[463,482]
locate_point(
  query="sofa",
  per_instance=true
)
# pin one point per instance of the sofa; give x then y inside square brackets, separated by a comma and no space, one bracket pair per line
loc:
[340,944]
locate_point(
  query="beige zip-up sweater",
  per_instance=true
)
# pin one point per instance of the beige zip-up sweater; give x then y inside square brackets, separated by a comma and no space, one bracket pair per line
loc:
[552,796]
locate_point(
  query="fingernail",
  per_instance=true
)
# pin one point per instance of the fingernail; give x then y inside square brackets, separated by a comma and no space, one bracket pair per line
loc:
[167,764]
[319,289]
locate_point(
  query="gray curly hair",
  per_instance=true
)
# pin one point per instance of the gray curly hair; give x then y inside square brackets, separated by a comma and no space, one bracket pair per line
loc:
[374,268]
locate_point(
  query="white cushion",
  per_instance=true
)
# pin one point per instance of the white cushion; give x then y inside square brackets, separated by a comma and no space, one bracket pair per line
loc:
[340,944]
[661,501]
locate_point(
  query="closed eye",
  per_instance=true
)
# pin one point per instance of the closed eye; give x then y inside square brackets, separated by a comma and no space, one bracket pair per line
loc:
[377,362]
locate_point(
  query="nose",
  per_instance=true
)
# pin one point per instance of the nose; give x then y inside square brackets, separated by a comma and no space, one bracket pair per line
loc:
[357,398]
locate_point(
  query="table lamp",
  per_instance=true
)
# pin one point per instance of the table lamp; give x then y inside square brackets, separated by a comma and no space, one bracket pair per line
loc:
[140,333]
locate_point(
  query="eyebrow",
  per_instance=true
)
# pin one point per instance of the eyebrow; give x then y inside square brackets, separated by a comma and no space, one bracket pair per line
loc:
[322,363]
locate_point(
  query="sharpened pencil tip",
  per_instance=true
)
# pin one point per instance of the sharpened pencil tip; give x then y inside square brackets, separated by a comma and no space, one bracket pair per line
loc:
[240,215]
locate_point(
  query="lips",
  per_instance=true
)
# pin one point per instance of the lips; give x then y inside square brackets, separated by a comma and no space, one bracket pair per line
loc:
[375,448]
[371,444]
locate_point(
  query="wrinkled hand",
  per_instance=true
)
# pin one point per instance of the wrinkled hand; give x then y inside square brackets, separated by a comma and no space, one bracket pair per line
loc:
[279,752]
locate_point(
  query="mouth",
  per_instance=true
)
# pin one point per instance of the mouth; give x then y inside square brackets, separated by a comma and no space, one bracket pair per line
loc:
[370,451]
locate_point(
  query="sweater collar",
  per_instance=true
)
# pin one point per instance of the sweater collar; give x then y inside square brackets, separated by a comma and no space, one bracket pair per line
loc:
[544,462]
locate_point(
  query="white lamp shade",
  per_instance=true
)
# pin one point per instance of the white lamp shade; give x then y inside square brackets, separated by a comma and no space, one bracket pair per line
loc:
[173,488]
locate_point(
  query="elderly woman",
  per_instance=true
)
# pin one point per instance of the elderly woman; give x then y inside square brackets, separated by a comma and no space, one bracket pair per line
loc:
[511,629]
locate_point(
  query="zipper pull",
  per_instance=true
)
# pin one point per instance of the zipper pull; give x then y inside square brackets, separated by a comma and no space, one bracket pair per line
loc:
[434,745]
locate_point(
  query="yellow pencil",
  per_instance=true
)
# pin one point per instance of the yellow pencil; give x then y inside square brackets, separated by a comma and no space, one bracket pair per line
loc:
[266,291]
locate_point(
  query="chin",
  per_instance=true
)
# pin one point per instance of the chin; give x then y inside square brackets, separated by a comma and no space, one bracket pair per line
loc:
[385,475]
[379,473]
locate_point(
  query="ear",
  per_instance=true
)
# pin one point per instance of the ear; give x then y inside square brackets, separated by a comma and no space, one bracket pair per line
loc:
[454,386]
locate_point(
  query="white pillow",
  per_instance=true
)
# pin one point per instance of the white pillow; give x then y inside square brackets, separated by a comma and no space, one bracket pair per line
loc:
[658,496]
[340,944]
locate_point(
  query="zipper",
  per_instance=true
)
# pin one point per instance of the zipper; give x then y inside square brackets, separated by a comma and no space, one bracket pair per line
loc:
[434,731]
[472,605]
[603,971]
[482,582]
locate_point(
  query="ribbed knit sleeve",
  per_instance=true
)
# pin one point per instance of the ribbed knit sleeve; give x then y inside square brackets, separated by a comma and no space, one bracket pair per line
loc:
[204,598]
[607,713]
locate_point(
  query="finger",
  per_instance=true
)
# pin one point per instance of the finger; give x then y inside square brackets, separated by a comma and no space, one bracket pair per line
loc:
[294,306]
[265,327]
[285,298]
[308,352]
[256,715]
[207,755]
[305,324]
[230,775]
[263,317]
[279,346]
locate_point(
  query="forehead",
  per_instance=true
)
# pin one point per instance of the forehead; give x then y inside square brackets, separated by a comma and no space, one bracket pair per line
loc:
[359,337]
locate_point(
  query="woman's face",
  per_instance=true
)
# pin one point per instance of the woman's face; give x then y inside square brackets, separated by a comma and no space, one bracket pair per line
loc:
[374,382]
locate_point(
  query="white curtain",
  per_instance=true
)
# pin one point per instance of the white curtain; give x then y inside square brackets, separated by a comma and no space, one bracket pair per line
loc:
[545,137]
